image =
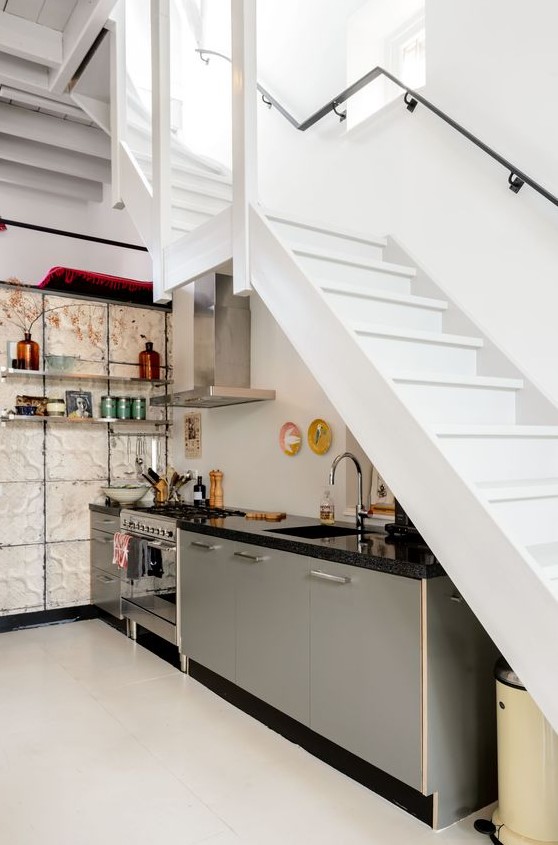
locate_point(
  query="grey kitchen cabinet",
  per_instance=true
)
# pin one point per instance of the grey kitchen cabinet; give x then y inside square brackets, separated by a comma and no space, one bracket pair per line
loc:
[272,621]
[365,665]
[207,601]
[105,577]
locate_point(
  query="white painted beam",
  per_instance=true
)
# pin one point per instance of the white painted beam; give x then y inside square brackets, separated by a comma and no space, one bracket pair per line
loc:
[53,183]
[98,111]
[45,129]
[117,45]
[137,195]
[202,251]
[40,102]
[244,135]
[28,40]
[85,23]
[161,124]
[27,76]
[22,151]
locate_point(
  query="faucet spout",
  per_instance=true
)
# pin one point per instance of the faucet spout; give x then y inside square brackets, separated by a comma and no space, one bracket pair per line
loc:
[361,513]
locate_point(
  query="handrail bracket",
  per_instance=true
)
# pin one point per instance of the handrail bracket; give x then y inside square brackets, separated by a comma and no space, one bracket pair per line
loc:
[410,102]
[515,182]
[342,115]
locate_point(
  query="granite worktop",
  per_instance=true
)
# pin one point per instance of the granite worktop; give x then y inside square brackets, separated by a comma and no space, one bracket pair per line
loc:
[373,550]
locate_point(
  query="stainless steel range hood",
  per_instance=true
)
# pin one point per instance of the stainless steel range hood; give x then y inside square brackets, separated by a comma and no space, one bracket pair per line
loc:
[221,348]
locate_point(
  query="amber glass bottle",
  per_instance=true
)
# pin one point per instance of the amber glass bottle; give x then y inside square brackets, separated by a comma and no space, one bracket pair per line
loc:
[27,353]
[149,362]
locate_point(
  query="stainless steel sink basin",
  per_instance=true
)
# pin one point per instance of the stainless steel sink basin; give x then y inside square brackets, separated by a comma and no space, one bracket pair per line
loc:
[315,532]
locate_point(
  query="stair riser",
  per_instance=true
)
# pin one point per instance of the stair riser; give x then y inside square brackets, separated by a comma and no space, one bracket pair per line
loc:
[356,309]
[331,271]
[502,458]
[183,215]
[194,180]
[393,355]
[529,520]
[296,236]
[213,205]
[466,405]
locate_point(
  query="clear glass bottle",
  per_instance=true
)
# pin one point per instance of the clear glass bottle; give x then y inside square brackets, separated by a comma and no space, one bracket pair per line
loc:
[327,508]
[149,362]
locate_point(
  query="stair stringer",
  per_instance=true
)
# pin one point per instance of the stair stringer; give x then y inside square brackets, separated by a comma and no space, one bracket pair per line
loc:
[494,575]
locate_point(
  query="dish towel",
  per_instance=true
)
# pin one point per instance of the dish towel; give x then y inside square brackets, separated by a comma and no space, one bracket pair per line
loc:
[120,549]
[136,558]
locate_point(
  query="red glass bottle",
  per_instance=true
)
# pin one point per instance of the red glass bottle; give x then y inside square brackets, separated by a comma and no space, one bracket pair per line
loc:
[149,362]
[27,353]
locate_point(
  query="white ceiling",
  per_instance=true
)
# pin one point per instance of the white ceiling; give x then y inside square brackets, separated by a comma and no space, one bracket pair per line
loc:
[53,14]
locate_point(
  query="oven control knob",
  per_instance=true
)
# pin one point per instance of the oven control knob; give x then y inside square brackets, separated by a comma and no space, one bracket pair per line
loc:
[168,533]
[141,527]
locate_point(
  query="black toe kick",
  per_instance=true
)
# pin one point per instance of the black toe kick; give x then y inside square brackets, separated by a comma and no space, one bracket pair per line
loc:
[399,793]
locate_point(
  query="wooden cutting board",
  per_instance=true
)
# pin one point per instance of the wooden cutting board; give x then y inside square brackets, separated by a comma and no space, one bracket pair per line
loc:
[269,516]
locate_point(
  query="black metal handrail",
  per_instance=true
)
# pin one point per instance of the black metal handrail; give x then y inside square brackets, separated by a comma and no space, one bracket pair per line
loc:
[516,179]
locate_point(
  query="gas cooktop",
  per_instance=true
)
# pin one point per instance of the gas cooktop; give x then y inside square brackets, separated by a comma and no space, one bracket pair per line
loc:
[177,510]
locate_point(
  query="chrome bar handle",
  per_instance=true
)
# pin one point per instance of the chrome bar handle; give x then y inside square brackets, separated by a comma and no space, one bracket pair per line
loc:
[253,558]
[204,545]
[105,579]
[325,576]
[102,540]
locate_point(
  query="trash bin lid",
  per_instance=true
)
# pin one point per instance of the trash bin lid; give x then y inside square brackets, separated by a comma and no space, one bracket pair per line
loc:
[505,674]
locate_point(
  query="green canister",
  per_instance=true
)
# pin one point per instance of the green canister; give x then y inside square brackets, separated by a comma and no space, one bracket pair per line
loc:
[124,408]
[108,407]
[139,408]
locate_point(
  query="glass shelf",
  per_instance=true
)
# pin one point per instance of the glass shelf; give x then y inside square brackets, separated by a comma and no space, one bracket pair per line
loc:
[9,372]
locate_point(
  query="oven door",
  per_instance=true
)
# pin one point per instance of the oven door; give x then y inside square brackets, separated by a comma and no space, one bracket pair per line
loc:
[154,591]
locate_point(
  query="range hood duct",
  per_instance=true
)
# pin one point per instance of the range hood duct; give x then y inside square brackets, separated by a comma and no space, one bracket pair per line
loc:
[221,348]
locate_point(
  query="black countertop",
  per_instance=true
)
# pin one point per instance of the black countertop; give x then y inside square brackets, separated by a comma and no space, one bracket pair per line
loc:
[375,550]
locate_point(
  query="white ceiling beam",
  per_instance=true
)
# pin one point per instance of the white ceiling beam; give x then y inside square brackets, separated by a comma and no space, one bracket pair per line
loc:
[97,110]
[40,102]
[26,76]
[53,183]
[32,154]
[45,129]
[84,25]
[27,40]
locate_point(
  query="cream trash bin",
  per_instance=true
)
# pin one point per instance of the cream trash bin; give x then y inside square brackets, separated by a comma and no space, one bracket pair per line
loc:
[527,811]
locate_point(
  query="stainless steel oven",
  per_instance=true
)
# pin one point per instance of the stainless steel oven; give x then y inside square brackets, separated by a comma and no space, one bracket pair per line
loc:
[149,584]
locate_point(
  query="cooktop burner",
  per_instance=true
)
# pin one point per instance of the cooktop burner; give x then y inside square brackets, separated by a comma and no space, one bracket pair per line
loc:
[184,511]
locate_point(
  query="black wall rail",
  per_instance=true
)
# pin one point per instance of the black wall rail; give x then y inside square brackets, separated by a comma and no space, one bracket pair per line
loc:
[80,237]
[516,178]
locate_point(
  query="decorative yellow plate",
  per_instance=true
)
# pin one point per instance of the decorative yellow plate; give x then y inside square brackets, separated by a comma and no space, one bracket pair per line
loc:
[290,438]
[319,436]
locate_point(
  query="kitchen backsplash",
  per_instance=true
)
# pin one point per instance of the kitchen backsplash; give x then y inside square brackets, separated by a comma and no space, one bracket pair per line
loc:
[49,474]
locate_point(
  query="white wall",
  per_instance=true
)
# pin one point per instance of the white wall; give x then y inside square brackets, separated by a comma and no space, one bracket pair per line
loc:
[491,67]
[243,440]
[29,255]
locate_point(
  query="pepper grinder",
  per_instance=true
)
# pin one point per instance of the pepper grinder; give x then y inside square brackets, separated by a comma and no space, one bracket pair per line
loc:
[218,493]
[212,489]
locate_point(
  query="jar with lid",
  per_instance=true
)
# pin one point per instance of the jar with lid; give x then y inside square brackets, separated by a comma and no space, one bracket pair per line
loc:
[149,362]
[55,407]
[108,407]
[123,408]
[327,508]
[139,407]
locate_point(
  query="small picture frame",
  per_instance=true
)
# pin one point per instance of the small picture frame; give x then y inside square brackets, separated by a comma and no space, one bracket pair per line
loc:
[79,405]
[11,354]
[192,435]
[381,497]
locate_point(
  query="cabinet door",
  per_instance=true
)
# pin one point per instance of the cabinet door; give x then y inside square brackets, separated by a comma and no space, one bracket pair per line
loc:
[272,642]
[365,659]
[207,612]
[101,552]
[105,591]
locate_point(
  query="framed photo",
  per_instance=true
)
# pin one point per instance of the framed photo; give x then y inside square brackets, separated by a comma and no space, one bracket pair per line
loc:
[78,405]
[11,354]
[192,435]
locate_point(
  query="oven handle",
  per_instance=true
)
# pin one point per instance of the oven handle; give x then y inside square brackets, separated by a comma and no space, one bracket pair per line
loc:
[159,544]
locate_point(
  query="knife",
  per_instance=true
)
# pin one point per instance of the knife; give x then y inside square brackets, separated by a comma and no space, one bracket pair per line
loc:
[153,475]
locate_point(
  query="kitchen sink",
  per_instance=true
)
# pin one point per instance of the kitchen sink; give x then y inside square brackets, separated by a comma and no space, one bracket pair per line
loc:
[315,532]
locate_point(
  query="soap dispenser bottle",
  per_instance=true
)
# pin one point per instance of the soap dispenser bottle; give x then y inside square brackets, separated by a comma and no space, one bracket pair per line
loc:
[327,508]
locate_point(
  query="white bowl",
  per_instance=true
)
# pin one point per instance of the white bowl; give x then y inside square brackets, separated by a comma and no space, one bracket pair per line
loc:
[128,495]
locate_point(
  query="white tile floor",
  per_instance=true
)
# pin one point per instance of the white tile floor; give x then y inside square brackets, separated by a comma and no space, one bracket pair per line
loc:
[102,742]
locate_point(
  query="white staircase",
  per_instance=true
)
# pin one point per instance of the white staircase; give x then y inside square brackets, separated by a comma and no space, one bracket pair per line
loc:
[467,444]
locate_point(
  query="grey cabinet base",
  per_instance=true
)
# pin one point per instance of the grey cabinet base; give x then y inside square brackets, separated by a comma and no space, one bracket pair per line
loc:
[399,793]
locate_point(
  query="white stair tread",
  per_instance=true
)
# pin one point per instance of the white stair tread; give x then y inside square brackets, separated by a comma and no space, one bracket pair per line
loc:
[189,169]
[192,206]
[203,190]
[184,227]
[303,223]
[366,292]
[496,430]
[459,381]
[421,337]
[530,488]
[546,555]
[365,263]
